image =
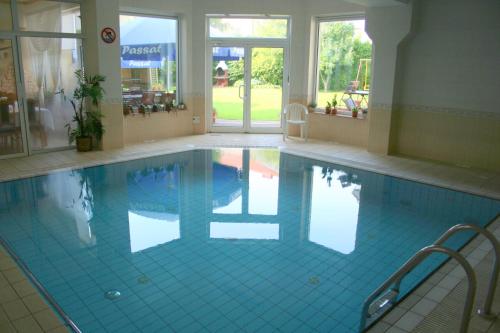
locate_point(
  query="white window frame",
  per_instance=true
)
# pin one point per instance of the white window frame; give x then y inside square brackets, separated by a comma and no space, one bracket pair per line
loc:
[319,20]
[178,67]
[247,44]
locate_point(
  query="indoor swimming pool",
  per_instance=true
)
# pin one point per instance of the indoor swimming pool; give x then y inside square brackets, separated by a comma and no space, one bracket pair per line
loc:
[225,240]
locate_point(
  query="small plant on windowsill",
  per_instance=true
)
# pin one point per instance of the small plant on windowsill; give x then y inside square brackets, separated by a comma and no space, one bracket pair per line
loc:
[334,104]
[312,107]
[87,118]
[355,112]
[328,107]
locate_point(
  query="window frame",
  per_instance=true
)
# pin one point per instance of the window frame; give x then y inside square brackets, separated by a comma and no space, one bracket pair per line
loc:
[285,39]
[178,67]
[319,20]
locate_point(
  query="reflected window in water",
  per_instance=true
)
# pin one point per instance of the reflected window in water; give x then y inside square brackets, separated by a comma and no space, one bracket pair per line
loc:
[227,181]
[234,230]
[151,229]
[334,209]
[154,206]
[264,182]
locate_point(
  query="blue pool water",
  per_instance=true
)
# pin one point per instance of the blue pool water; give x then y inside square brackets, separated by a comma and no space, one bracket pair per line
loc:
[227,240]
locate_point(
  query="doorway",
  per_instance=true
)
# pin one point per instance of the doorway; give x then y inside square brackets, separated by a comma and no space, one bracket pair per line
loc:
[247,88]
[246,73]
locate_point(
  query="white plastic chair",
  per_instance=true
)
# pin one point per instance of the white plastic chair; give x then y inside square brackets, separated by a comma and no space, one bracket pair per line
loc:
[296,114]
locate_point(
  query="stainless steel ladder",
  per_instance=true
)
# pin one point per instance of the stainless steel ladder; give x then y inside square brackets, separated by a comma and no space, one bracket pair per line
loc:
[376,303]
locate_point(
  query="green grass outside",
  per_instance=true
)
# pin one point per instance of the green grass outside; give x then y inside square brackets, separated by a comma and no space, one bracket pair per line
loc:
[266,103]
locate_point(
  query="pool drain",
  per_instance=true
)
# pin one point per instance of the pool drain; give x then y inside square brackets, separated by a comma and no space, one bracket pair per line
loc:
[112,294]
[143,279]
[314,280]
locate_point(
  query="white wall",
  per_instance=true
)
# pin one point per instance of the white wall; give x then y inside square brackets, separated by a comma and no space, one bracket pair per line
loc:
[449,82]
[453,60]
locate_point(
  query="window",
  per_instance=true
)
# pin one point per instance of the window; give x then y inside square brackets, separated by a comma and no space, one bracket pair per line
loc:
[149,66]
[248,27]
[5,15]
[343,64]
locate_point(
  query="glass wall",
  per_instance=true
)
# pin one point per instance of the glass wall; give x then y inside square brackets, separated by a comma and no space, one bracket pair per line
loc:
[10,124]
[48,16]
[343,64]
[5,15]
[148,62]
[48,66]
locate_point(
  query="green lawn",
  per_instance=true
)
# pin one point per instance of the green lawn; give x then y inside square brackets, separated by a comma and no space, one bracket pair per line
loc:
[266,103]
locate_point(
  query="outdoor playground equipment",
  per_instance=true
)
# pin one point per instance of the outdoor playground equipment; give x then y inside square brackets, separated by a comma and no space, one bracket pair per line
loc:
[353,88]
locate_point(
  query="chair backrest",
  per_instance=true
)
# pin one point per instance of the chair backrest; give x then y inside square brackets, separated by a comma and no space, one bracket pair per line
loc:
[295,111]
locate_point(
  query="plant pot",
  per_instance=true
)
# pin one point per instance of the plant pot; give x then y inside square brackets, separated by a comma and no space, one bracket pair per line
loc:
[84,143]
[355,114]
[334,111]
[328,110]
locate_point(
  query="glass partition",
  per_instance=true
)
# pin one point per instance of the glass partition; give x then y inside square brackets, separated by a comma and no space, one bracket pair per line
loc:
[5,15]
[10,125]
[49,65]
[49,16]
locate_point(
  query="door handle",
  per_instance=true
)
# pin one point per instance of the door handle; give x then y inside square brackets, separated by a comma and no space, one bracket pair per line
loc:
[239,91]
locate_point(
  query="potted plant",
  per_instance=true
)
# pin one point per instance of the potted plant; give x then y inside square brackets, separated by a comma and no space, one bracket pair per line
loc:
[88,118]
[312,107]
[328,108]
[334,104]
[355,112]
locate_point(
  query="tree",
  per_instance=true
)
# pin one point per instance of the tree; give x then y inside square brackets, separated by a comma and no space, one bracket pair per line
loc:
[335,51]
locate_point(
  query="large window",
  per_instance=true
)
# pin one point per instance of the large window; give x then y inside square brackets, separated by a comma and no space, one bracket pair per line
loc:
[248,27]
[149,62]
[343,64]
[41,48]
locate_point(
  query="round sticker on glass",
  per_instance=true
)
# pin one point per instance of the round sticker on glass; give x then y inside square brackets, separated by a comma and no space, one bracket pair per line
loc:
[108,35]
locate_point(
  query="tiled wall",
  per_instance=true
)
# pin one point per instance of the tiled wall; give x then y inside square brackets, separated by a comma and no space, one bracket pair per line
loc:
[157,126]
[448,83]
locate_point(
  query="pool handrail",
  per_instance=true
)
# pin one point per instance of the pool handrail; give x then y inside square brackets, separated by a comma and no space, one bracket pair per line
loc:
[409,265]
[485,310]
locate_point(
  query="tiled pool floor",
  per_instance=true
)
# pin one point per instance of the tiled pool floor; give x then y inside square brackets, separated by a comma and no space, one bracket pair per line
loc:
[479,182]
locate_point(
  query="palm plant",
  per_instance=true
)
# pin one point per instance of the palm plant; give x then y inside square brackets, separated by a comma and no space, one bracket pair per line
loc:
[88,118]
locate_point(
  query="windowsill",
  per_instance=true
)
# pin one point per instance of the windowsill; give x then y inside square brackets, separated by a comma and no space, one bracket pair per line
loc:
[148,114]
[343,113]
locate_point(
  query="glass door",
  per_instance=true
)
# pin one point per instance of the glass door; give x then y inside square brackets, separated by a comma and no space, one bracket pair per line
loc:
[11,137]
[247,88]
[228,88]
[266,88]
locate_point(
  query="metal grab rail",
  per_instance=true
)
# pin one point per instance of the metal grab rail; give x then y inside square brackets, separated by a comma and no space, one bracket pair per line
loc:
[485,310]
[411,264]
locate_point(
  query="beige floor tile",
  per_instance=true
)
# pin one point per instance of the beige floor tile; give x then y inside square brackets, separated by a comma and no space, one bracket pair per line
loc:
[7,328]
[3,316]
[23,288]
[47,319]
[6,263]
[60,329]
[35,303]
[15,309]
[14,275]
[7,294]
[27,324]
